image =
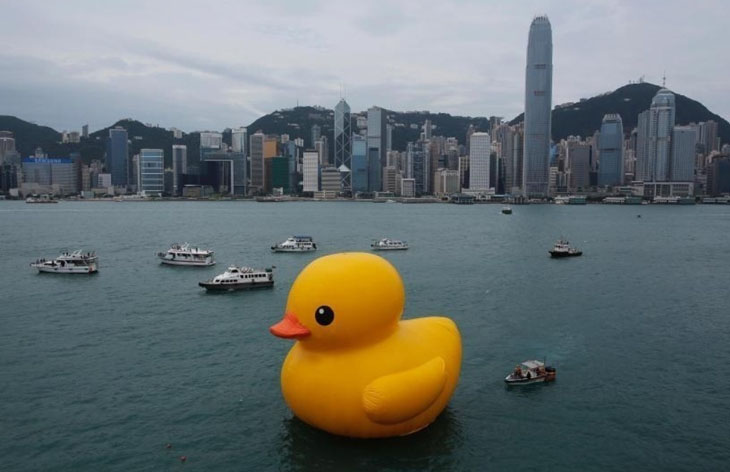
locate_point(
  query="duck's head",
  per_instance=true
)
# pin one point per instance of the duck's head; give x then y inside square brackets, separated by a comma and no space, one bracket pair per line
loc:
[343,300]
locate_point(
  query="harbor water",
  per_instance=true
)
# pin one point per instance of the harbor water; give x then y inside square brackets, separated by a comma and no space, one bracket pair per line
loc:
[101,372]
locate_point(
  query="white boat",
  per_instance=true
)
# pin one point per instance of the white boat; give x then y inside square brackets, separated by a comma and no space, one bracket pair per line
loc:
[506,210]
[187,255]
[45,198]
[69,263]
[386,244]
[240,278]
[530,372]
[563,249]
[295,244]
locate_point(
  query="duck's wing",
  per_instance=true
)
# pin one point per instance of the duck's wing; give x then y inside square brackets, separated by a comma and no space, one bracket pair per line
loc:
[399,397]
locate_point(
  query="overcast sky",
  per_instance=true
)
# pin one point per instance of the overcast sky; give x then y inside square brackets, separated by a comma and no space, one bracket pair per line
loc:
[217,64]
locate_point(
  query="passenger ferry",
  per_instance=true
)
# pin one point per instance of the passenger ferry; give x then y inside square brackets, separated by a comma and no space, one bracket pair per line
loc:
[506,210]
[386,244]
[240,278]
[185,255]
[69,263]
[295,244]
[530,372]
[562,249]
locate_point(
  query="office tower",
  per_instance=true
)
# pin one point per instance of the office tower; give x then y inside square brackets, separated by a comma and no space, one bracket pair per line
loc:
[708,136]
[684,139]
[85,131]
[117,155]
[322,149]
[503,138]
[7,145]
[343,144]
[389,137]
[421,168]
[359,164]
[376,146]
[446,182]
[661,124]
[281,178]
[179,167]
[59,172]
[151,171]
[408,187]
[329,178]
[427,130]
[310,172]
[316,132]
[480,148]
[642,169]
[239,138]
[538,105]
[256,154]
[389,179]
[471,130]
[610,151]
[211,140]
[464,171]
[578,156]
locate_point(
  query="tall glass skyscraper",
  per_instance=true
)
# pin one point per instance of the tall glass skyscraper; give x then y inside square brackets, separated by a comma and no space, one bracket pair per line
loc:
[659,145]
[480,148]
[343,145]
[117,155]
[359,164]
[610,151]
[376,147]
[151,172]
[538,105]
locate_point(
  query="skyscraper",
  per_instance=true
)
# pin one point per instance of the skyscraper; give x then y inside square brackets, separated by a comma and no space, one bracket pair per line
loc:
[310,172]
[661,124]
[682,165]
[641,171]
[256,153]
[359,164]
[343,144]
[151,172]
[179,167]
[117,155]
[316,133]
[538,105]
[376,146]
[610,151]
[480,147]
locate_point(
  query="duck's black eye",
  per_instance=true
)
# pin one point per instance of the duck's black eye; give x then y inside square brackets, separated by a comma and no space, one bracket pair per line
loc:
[324,315]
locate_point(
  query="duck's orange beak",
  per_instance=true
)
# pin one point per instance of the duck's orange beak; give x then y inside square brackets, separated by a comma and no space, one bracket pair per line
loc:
[289,328]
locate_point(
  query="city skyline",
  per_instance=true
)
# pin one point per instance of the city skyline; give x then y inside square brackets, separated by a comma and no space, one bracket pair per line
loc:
[79,72]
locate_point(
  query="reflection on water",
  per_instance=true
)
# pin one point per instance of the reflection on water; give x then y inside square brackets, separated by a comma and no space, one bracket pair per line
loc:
[304,448]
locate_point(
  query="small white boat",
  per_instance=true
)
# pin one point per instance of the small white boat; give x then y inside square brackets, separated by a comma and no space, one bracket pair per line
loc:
[530,372]
[563,249]
[69,263]
[186,255]
[45,198]
[240,278]
[506,210]
[386,244]
[295,244]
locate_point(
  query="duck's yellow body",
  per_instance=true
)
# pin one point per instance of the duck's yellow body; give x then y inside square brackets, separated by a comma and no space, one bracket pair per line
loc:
[356,369]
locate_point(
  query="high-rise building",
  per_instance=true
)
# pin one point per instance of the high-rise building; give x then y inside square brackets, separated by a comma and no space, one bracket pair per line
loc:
[708,136]
[359,164]
[420,168]
[376,146]
[641,170]
[446,182]
[256,154]
[427,130]
[85,131]
[239,138]
[117,156]
[389,137]
[179,167]
[659,145]
[322,149]
[538,106]
[210,140]
[480,148]
[579,158]
[389,179]
[316,133]
[343,144]
[610,151]
[518,158]
[310,172]
[151,172]
[504,140]
[408,187]
[59,172]
[329,178]
[684,139]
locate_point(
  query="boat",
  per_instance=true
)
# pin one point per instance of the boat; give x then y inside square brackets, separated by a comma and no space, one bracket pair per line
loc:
[506,210]
[75,262]
[187,255]
[41,199]
[531,372]
[386,244]
[562,249]
[295,244]
[240,278]
[390,201]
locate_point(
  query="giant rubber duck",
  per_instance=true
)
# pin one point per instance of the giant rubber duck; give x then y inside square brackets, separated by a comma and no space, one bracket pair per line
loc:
[356,369]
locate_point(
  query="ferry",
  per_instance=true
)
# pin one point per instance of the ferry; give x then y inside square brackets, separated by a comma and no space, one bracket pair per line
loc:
[41,199]
[506,210]
[295,244]
[240,278]
[69,263]
[562,249]
[186,255]
[386,244]
[531,372]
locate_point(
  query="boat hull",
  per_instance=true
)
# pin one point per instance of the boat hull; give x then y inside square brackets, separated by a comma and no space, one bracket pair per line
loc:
[525,381]
[187,263]
[212,287]
[286,249]
[65,270]
[559,254]
[375,248]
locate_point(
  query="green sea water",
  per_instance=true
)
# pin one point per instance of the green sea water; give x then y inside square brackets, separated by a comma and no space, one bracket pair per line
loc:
[101,372]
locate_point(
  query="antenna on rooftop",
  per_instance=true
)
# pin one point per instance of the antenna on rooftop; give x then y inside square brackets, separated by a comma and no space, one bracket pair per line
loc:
[664,79]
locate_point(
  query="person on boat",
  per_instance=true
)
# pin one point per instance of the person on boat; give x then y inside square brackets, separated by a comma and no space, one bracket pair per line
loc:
[529,375]
[518,372]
